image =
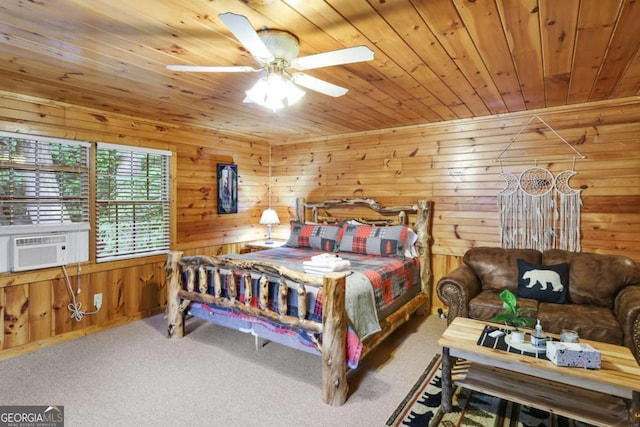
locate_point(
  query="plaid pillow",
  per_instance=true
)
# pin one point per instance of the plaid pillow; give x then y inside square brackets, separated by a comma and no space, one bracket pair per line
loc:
[370,240]
[315,236]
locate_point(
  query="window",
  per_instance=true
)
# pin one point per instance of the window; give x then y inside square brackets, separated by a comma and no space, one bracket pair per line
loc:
[44,183]
[132,202]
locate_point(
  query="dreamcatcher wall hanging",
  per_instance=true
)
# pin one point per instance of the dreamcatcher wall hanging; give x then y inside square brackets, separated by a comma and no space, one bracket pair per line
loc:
[536,209]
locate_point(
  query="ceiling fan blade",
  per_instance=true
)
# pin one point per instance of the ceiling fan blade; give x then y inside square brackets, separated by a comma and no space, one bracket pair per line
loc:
[318,85]
[244,32]
[334,57]
[212,69]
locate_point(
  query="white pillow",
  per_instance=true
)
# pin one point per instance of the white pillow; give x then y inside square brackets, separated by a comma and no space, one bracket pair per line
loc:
[410,244]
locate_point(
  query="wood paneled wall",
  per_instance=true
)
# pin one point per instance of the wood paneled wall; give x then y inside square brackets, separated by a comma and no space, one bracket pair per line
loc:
[33,305]
[450,163]
[453,164]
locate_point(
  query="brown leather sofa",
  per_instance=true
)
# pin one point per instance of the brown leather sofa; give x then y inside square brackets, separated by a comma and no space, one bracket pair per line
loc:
[602,299]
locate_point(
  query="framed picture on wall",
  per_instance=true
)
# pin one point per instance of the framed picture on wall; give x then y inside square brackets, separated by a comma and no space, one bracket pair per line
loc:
[227,188]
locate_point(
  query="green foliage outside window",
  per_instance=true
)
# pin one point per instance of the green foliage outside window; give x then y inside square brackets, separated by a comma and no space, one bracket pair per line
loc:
[43,182]
[131,202]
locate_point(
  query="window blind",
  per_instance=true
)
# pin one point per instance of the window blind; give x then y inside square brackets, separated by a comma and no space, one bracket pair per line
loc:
[132,202]
[43,181]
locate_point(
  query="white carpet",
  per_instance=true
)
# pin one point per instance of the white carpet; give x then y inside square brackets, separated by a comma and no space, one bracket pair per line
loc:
[135,375]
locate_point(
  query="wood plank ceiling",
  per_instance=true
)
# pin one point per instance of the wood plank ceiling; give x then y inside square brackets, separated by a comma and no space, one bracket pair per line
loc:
[435,60]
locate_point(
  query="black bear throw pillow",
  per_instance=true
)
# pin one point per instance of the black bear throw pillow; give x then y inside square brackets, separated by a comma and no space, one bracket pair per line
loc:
[545,283]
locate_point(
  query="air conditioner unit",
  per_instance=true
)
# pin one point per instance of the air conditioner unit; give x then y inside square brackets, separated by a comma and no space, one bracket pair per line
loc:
[31,252]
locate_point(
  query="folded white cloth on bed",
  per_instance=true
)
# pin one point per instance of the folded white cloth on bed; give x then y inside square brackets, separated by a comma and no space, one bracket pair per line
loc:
[319,271]
[334,266]
[325,263]
[324,259]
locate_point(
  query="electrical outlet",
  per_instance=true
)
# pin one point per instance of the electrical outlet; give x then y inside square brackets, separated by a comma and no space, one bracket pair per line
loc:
[97,301]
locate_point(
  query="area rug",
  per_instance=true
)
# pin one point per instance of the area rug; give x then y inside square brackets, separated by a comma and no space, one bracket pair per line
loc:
[421,408]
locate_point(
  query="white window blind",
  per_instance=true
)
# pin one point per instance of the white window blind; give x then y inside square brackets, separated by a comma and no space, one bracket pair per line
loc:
[43,181]
[132,202]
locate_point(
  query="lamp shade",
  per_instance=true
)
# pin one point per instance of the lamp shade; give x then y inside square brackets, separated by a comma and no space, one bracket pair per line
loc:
[269,217]
[274,91]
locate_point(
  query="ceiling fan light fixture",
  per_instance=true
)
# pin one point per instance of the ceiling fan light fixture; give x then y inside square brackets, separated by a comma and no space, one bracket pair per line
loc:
[275,91]
[276,51]
[293,93]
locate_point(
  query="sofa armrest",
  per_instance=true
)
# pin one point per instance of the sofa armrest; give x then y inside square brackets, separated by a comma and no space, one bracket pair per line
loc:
[627,310]
[456,289]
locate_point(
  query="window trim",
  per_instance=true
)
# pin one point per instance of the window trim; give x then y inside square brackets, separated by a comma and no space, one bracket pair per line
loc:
[167,202]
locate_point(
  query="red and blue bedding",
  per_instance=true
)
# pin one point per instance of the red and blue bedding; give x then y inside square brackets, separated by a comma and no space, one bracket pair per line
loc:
[392,282]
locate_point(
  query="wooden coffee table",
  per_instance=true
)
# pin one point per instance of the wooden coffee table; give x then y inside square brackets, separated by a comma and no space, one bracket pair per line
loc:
[609,396]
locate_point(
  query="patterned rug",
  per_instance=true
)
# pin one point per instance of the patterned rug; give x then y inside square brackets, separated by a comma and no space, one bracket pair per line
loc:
[421,408]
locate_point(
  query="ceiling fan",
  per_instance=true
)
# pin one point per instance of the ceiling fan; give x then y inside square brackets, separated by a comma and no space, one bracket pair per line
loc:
[276,51]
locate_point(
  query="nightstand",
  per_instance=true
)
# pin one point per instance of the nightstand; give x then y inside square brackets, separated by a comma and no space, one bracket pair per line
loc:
[261,245]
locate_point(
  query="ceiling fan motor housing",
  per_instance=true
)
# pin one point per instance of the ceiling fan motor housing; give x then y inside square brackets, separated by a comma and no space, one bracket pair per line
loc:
[282,44]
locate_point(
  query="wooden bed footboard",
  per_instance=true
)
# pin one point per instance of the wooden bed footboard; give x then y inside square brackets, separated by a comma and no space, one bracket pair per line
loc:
[334,317]
[334,324]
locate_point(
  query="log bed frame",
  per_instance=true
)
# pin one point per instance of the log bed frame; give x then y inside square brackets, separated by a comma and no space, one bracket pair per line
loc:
[334,319]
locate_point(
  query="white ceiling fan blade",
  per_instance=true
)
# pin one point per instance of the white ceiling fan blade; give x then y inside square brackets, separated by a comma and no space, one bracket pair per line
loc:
[244,32]
[334,57]
[318,85]
[212,69]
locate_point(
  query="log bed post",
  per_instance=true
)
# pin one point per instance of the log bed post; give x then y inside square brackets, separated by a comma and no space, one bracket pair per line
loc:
[300,217]
[175,316]
[422,227]
[334,340]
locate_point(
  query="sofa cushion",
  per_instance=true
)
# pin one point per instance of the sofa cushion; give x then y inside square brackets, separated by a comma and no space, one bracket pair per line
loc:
[595,279]
[590,322]
[487,304]
[497,268]
[545,283]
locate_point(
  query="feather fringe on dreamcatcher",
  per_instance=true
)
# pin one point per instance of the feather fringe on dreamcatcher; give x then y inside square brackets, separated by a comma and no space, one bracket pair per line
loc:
[538,211]
[568,217]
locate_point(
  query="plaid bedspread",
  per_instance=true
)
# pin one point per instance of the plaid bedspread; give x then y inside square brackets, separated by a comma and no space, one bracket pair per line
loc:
[390,278]
[392,281]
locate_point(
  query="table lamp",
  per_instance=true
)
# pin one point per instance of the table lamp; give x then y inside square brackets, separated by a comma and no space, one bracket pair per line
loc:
[269,217]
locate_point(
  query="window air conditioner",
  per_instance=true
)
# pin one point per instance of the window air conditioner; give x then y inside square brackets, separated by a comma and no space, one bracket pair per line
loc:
[31,252]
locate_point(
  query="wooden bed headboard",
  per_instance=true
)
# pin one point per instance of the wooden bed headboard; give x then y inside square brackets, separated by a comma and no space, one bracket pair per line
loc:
[338,210]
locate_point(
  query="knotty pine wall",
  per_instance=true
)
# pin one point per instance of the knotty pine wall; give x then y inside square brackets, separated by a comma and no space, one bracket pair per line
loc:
[33,305]
[450,163]
[453,164]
